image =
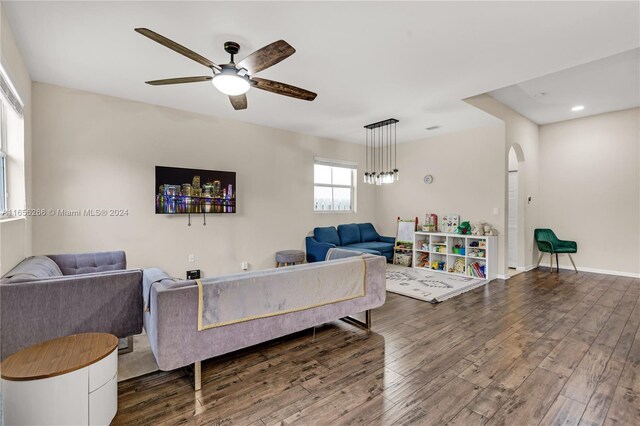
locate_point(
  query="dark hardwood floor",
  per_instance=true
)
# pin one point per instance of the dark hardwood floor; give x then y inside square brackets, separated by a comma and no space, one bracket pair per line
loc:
[540,348]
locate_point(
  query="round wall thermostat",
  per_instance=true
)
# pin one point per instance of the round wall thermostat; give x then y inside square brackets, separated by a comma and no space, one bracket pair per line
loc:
[428,179]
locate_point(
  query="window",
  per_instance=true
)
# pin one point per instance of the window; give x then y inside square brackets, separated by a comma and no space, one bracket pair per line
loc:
[12,177]
[3,159]
[334,186]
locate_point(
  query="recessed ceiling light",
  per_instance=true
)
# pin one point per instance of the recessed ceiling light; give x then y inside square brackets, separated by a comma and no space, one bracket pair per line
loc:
[577,108]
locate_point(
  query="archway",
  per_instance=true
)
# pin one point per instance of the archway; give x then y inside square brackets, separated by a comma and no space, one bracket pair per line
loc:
[516,209]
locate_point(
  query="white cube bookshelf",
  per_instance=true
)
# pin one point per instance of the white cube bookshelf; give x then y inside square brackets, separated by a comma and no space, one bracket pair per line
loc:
[442,248]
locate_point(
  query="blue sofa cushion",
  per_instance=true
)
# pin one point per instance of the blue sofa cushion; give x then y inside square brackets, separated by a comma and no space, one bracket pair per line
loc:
[372,245]
[368,232]
[327,234]
[349,234]
[361,250]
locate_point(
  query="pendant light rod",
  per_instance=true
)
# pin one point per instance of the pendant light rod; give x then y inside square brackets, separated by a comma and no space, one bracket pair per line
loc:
[380,155]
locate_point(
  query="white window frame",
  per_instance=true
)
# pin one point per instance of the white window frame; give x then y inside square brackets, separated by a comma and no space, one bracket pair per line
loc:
[3,154]
[341,164]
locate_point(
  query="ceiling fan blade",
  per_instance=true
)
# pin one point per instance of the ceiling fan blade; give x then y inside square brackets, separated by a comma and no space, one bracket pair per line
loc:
[179,80]
[239,102]
[283,89]
[177,47]
[268,56]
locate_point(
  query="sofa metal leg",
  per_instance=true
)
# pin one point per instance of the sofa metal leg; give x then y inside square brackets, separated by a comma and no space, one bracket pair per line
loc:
[197,375]
[366,324]
[573,263]
[539,260]
[128,348]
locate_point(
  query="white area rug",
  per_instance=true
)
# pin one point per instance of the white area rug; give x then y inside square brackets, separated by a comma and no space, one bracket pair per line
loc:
[429,286]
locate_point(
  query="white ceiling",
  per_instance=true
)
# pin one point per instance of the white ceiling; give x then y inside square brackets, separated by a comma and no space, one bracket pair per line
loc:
[367,61]
[609,84]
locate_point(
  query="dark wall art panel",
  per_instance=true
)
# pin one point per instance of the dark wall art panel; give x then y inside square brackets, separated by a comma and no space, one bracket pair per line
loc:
[180,191]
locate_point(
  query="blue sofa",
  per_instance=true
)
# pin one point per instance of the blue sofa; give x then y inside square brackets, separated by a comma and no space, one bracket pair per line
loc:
[361,237]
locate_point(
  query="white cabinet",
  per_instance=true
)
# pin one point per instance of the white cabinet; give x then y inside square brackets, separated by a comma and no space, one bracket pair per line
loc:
[458,254]
[57,383]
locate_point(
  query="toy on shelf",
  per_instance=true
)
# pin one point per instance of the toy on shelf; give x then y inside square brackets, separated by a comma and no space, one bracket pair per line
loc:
[437,265]
[477,252]
[430,223]
[480,229]
[440,248]
[423,260]
[458,266]
[450,223]
[464,228]
[488,230]
[424,245]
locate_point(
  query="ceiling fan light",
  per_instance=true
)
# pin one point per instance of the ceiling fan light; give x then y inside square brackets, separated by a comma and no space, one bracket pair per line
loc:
[231,84]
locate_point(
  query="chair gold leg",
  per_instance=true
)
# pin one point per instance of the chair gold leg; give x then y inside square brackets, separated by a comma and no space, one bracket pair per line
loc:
[573,263]
[550,262]
[539,260]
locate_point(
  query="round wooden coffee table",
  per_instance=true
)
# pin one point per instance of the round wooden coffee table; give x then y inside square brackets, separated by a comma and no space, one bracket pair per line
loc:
[70,380]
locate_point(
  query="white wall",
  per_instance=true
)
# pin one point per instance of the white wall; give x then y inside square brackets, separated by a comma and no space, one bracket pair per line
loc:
[468,170]
[590,188]
[95,151]
[15,235]
[523,135]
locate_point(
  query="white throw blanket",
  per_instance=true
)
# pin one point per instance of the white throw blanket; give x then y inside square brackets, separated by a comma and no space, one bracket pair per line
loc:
[243,297]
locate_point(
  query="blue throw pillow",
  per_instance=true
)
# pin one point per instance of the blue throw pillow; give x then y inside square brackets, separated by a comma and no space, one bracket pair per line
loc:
[326,234]
[368,233]
[349,234]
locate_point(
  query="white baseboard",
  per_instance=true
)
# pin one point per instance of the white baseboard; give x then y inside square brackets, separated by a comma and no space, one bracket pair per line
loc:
[593,270]
[503,276]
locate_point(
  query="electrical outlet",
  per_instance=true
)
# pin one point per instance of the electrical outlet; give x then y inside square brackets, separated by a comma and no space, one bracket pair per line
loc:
[192,258]
[244,265]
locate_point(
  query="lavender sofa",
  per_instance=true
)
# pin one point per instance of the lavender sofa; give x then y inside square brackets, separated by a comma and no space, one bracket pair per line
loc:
[171,313]
[45,297]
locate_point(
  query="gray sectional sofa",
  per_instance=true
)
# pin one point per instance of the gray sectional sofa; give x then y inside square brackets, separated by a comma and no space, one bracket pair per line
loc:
[45,297]
[171,313]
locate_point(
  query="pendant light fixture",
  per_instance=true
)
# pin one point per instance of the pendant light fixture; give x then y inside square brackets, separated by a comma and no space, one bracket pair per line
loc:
[381,152]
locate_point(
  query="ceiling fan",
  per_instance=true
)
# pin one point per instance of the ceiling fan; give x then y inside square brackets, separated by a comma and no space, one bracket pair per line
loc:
[234,79]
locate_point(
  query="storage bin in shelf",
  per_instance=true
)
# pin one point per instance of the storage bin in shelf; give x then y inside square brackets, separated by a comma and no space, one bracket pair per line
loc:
[456,245]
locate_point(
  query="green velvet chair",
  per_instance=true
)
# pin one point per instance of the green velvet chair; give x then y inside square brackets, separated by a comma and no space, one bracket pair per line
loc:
[548,243]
